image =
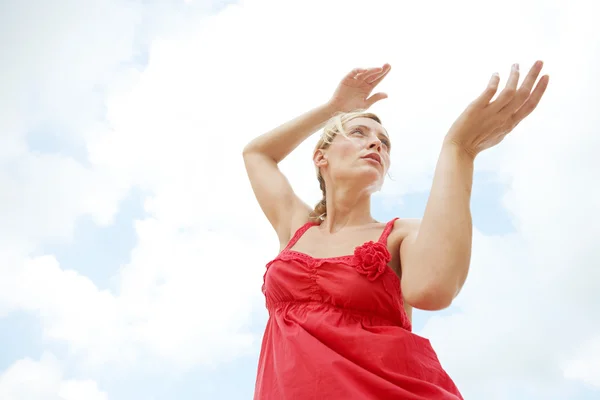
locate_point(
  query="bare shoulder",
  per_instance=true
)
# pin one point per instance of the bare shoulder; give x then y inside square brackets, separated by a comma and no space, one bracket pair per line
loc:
[300,217]
[403,228]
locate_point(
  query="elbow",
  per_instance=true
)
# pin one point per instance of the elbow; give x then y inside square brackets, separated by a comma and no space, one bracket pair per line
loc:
[254,146]
[251,150]
[430,297]
[248,149]
[250,154]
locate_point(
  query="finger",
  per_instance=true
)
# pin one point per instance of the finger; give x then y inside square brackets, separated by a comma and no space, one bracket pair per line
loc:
[368,73]
[525,90]
[352,74]
[509,91]
[375,98]
[378,78]
[533,100]
[489,92]
[532,76]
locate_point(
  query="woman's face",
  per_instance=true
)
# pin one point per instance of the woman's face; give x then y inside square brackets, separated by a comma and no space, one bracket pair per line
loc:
[362,154]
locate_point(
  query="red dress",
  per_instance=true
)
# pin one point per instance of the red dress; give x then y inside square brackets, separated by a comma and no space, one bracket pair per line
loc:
[337,329]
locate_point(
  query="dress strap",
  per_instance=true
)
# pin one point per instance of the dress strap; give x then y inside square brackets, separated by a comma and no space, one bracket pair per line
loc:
[387,230]
[299,234]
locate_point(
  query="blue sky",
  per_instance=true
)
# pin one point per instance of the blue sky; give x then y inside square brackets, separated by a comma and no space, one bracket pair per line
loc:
[98,252]
[124,190]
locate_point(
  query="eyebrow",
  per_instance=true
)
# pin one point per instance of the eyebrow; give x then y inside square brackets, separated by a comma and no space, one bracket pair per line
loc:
[367,128]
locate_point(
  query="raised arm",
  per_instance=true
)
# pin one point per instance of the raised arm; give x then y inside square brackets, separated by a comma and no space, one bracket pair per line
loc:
[435,257]
[274,193]
[281,205]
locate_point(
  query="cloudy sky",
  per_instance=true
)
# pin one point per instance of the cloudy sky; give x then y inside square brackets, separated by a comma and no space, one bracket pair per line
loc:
[133,251]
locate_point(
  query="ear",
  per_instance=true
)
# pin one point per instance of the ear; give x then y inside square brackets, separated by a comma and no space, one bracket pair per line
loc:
[320,158]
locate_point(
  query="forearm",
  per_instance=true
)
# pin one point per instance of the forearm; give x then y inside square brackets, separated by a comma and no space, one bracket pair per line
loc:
[281,141]
[442,247]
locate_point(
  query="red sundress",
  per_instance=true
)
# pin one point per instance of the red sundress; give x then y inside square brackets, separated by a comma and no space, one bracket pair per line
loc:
[337,329]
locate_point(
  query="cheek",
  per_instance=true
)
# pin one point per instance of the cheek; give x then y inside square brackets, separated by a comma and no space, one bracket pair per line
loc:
[344,149]
[387,161]
[349,152]
[386,164]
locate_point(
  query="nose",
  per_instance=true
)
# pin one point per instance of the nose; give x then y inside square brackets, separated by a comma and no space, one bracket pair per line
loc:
[375,143]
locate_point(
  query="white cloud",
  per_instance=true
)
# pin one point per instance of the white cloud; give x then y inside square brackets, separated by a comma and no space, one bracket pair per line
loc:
[27,379]
[177,129]
[155,309]
[532,297]
[586,365]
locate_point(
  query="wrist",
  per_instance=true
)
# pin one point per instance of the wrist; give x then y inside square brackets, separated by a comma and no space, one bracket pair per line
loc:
[459,149]
[332,108]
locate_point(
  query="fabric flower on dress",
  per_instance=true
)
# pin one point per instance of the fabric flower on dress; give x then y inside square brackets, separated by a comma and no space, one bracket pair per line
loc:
[371,259]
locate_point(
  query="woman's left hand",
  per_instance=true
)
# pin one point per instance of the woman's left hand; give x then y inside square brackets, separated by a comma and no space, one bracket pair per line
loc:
[485,123]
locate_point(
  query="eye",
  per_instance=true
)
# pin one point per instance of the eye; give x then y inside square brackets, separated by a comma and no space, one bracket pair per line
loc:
[357,131]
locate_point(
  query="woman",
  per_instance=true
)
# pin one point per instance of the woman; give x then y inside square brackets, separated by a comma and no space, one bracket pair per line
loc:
[341,290]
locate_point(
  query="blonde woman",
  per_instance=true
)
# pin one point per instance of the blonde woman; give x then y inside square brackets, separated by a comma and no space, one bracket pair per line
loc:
[341,290]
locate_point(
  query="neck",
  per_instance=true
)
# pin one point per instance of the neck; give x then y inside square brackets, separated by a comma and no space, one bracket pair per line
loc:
[345,208]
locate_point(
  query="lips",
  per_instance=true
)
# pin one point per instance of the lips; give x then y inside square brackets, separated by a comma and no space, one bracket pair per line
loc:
[373,156]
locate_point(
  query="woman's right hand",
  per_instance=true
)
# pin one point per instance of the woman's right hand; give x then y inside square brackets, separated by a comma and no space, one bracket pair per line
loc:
[354,90]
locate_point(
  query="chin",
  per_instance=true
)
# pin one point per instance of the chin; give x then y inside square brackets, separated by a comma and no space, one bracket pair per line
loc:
[370,179]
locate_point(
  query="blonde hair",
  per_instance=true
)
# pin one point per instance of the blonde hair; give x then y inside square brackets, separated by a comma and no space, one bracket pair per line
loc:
[331,129]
